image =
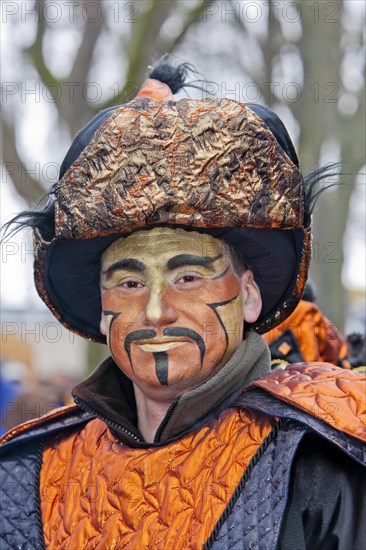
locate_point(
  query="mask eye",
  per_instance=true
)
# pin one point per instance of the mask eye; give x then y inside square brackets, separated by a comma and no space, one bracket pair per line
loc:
[188,279]
[130,284]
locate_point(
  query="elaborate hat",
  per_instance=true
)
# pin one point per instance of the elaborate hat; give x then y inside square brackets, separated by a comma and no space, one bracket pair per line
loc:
[211,165]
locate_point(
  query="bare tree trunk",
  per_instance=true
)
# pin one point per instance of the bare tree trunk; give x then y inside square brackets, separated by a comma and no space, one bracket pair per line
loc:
[317,113]
[271,48]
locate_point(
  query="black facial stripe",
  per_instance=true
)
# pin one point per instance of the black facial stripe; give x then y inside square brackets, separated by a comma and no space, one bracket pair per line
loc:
[183,331]
[114,316]
[161,367]
[214,306]
[186,260]
[221,274]
[137,335]
[129,264]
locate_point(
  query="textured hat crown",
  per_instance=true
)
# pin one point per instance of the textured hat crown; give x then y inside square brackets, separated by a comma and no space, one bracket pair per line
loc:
[202,163]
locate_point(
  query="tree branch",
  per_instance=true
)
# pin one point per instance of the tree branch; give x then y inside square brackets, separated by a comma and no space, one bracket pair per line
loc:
[142,48]
[190,19]
[28,187]
[75,112]
[36,52]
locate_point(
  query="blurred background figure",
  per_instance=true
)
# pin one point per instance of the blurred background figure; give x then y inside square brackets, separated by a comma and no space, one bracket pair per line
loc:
[357,351]
[306,335]
[23,394]
[8,394]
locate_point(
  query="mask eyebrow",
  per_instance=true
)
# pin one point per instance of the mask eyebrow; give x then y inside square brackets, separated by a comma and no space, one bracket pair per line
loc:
[182,260]
[129,264]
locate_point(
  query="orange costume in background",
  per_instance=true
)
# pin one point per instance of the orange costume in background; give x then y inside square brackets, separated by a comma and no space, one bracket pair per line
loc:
[318,339]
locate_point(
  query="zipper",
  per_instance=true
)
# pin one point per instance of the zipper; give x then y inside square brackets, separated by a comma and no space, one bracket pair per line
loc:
[164,422]
[109,423]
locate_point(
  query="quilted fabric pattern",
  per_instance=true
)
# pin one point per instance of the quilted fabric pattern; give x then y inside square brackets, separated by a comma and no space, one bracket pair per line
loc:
[336,396]
[261,401]
[165,497]
[255,520]
[21,523]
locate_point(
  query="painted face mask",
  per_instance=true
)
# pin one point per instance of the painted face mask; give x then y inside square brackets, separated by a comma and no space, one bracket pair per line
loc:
[172,306]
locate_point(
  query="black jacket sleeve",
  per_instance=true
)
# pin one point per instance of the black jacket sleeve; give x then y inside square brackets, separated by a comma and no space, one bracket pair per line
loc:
[328,488]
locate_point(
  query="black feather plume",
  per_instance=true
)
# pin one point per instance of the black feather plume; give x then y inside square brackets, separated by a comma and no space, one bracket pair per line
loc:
[176,77]
[311,181]
[43,220]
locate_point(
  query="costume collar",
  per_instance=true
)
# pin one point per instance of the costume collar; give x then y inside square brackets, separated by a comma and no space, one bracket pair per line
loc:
[109,394]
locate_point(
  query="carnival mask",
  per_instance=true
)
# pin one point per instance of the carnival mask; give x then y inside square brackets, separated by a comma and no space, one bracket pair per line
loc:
[173,306]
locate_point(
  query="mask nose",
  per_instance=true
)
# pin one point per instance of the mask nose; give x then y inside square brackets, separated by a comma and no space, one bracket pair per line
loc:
[159,309]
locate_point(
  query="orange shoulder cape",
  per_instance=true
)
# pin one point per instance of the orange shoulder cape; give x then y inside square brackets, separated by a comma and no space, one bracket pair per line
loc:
[336,396]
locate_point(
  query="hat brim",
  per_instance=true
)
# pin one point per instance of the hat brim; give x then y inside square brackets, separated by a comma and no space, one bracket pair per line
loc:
[69,276]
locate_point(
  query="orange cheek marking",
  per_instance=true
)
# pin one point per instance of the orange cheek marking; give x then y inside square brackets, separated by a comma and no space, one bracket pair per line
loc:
[114,300]
[211,291]
[191,305]
[129,307]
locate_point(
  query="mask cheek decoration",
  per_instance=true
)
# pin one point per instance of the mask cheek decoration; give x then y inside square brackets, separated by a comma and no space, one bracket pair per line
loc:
[210,331]
[110,314]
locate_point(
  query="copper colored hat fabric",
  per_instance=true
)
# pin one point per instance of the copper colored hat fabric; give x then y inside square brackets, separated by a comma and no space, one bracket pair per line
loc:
[210,164]
[202,163]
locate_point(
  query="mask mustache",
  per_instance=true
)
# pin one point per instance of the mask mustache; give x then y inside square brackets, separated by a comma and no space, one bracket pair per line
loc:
[172,331]
[188,333]
[137,335]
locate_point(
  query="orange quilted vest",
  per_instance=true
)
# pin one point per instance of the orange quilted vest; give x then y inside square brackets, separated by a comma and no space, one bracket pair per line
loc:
[98,493]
